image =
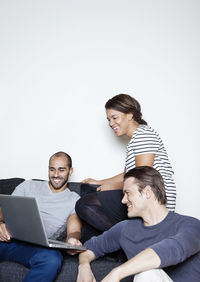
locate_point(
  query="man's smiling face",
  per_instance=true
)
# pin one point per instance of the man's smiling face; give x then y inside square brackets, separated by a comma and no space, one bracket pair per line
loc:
[59,173]
[134,199]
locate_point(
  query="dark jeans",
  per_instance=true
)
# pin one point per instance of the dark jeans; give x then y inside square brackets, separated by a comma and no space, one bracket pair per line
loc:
[44,263]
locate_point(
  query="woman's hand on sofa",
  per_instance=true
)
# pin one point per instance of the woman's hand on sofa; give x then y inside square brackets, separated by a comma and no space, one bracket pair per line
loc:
[4,234]
[91,181]
[112,183]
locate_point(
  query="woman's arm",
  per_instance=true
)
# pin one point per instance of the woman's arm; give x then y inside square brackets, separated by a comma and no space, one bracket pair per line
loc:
[144,160]
[112,183]
[116,182]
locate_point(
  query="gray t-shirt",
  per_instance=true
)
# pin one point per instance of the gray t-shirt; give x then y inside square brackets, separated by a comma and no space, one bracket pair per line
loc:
[54,208]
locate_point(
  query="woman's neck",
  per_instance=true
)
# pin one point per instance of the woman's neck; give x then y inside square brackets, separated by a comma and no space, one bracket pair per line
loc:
[132,128]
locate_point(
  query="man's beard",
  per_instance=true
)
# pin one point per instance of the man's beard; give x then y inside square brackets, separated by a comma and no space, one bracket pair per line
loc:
[61,184]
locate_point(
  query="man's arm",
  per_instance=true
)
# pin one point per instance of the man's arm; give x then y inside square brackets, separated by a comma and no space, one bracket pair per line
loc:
[73,232]
[1,217]
[21,189]
[4,234]
[145,260]
[98,246]
[178,248]
[84,270]
[73,227]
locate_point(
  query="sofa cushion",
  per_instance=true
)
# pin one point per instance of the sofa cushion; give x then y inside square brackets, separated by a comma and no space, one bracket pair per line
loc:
[7,186]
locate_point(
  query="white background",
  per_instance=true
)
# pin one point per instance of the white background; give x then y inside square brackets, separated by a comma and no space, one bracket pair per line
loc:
[61,60]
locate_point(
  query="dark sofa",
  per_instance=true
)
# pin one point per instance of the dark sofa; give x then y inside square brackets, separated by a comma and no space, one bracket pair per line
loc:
[13,272]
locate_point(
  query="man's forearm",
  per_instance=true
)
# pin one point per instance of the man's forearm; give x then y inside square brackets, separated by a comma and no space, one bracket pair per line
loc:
[76,235]
[86,257]
[84,269]
[143,261]
[1,220]
[74,227]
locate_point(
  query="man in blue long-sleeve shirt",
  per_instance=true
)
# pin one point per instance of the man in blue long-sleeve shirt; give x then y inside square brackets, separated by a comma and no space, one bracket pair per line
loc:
[159,245]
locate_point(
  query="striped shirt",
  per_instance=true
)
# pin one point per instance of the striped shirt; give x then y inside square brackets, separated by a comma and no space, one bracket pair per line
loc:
[146,141]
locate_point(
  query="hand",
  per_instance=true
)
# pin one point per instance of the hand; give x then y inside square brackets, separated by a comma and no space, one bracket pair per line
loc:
[85,273]
[90,181]
[76,242]
[107,186]
[4,234]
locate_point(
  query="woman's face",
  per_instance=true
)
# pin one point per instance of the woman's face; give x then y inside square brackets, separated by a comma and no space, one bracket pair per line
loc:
[119,122]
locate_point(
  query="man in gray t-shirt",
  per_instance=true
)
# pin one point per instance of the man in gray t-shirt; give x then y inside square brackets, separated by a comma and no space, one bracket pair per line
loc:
[55,208]
[56,204]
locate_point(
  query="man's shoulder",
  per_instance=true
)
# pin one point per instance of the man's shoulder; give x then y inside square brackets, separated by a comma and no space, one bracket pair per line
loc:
[35,182]
[32,184]
[185,220]
[183,216]
[130,223]
[73,194]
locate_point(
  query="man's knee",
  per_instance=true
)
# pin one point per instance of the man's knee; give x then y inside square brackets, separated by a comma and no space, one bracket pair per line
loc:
[78,206]
[153,275]
[55,260]
[49,259]
[82,208]
[44,265]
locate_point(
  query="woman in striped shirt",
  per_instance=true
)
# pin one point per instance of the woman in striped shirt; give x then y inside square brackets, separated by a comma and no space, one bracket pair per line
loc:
[103,208]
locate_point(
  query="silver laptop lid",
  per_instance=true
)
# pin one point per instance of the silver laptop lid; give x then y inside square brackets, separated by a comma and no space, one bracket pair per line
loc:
[22,218]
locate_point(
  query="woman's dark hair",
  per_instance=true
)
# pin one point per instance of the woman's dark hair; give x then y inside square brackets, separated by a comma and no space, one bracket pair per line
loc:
[126,104]
[146,175]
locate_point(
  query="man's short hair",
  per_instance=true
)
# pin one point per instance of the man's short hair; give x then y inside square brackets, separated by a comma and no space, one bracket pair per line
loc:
[62,154]
[146,175]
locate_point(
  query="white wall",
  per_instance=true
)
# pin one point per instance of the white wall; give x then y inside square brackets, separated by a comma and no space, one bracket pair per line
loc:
[61,60]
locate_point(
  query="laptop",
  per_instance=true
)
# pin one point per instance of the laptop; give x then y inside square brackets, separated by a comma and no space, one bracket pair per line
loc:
[24,222]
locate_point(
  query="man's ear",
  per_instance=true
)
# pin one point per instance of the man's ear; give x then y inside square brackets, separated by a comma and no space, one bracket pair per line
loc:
[71,171]
[148,191]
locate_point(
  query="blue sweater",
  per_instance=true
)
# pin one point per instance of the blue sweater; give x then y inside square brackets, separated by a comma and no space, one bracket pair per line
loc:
[176,240]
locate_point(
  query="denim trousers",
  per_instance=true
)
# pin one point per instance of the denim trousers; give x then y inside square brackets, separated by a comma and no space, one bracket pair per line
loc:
[44,263]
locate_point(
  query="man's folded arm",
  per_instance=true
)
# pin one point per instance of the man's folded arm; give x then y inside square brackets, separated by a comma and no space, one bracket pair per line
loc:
[178,248]
[107,242]
[145,260]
